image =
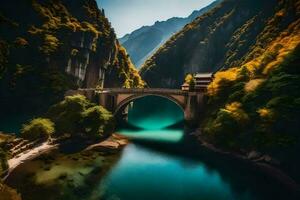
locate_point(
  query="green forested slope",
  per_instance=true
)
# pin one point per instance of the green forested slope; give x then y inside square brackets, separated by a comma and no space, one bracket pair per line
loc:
[50,46]
[255,104]
[222,38]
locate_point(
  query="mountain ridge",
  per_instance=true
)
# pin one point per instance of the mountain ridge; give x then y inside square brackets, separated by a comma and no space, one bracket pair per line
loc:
[218,39]
[144,41]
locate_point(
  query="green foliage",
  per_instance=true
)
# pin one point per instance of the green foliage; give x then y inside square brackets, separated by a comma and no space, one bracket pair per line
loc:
[68,113]
[271,109]
[126,70]
[35,51]
[51,44]
[75,115]
[39,128]
[97,121]
[224,129]
[221,39]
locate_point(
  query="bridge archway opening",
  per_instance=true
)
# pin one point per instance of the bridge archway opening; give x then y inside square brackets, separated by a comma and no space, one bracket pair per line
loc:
[150,111]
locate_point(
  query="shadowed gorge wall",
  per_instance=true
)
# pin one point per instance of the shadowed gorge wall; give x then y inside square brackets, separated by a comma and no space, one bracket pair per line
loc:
[50,46]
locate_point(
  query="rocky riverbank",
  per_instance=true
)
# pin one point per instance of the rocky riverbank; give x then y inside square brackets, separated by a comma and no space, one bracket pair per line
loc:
[260,162]
[113,144]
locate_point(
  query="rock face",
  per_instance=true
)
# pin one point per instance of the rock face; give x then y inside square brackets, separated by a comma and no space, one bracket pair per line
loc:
[143,42]
[221,38]
[50,46]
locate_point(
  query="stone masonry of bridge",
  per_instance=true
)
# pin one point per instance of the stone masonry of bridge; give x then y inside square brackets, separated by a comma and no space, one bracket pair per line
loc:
[117,99]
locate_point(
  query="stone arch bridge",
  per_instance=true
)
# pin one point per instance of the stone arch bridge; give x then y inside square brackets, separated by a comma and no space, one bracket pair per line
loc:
[116,99]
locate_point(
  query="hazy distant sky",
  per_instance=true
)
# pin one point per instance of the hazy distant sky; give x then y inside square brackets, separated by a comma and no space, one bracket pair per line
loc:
[128,15]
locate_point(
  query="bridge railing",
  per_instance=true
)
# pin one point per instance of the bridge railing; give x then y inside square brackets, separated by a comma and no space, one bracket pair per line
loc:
[136,90]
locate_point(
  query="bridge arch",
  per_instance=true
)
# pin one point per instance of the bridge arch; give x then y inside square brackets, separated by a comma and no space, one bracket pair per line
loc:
[113,99]
[131,98]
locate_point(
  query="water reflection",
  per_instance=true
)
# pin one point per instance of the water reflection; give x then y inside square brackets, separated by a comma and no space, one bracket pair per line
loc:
[154,113]
[148,174]
[164,135]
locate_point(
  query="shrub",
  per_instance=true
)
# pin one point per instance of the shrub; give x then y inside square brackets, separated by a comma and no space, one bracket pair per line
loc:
[38,129]
[76,116]
[253,84]
[97,121]
[216,85]
[223,130]
[68,113]
[51,44]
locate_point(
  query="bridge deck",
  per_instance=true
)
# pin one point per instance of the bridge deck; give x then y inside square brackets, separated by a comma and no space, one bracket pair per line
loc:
[139,91]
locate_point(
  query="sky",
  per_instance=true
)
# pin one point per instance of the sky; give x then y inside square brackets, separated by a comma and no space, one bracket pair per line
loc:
[129,15]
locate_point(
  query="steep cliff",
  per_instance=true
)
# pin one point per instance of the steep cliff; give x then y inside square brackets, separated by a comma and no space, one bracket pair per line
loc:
[222,38]
[50,46]
[255,104]
[143,42]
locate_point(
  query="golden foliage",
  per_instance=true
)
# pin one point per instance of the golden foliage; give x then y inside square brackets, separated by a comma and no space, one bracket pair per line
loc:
[127,71]
[265,113]
[55,17]
[276,51]
[88,27]
[228,75]
[189,78]
[236,111]
[51,44]
[253,84]
[270,57]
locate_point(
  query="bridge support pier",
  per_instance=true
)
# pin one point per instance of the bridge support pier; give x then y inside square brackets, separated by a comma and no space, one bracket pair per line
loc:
[193,107]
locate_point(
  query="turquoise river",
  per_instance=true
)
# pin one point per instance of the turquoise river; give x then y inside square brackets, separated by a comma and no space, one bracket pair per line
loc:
[161,162]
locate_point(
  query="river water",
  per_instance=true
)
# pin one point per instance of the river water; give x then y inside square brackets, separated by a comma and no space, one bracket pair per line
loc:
[161,163]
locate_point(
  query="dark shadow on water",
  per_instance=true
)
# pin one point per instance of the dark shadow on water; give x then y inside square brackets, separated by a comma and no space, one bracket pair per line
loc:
[242,177]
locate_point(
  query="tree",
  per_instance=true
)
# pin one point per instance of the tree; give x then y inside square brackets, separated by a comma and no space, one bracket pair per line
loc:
[189,79]
[68,113]
[39,128]
[77,116]
[97,121]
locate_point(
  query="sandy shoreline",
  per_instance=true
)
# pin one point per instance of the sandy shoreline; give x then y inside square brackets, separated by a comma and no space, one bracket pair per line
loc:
[114,142]
[21,158]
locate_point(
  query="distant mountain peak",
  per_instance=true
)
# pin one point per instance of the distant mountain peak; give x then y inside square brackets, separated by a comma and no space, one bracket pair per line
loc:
[143,42]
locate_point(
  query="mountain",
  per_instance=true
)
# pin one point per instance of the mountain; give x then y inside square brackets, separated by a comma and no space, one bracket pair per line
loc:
[50,46]
[144,41]
[230,35]
[253,102]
